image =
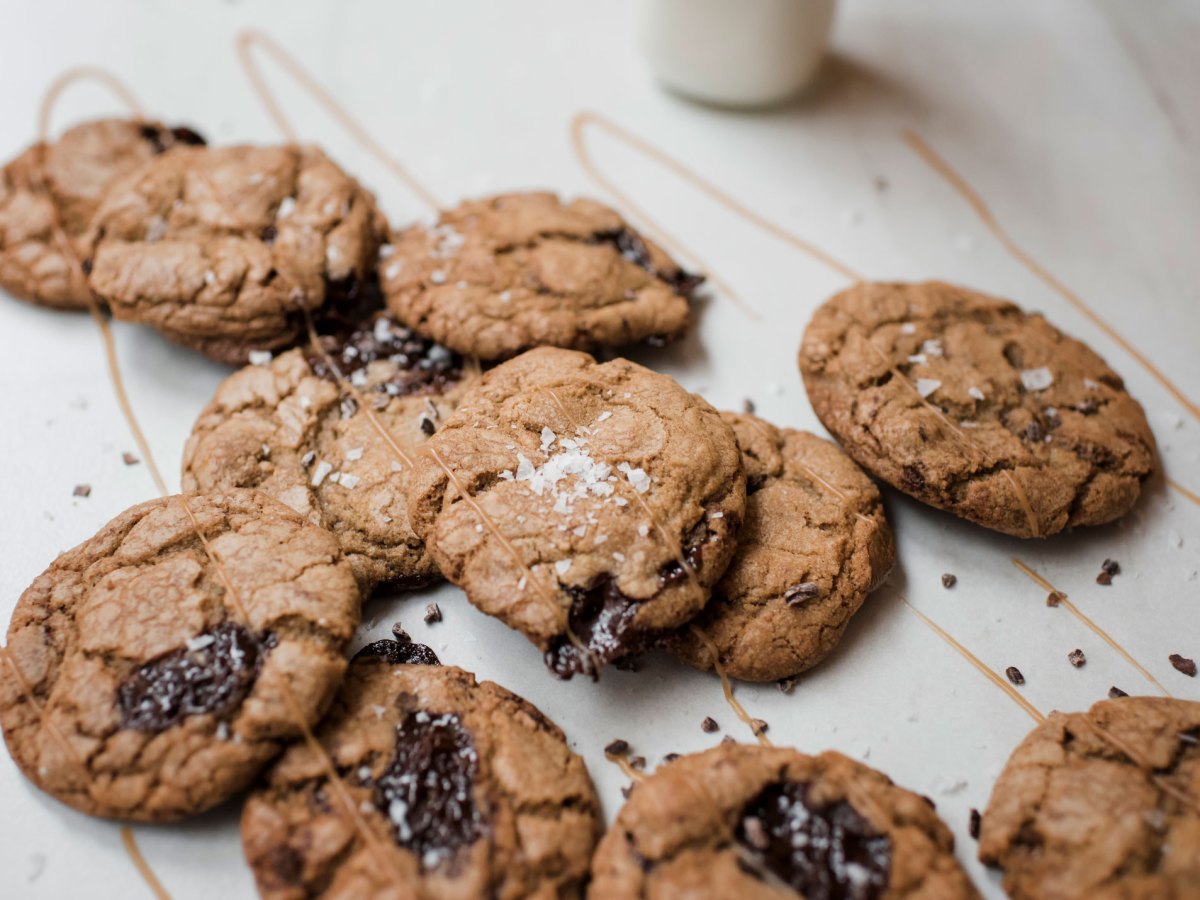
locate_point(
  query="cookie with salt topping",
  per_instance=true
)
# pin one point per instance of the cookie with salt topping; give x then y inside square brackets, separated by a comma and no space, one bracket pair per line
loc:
[815,542]
[589,505]
[972,405]
[225,250]
[499,275]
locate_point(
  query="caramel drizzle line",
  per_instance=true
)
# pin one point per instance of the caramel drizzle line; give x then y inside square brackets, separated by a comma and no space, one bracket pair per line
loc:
[139,861]
[970,657]
[621,761]
[726,687]
[1191,495]
[975,201]
[339,787]
[1163,783]
[1100,632]
[244,45]
[1030,516]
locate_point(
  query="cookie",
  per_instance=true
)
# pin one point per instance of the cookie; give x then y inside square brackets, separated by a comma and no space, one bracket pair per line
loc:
[150,677]
[448,788]
[290,430]
[974,406]
[751,821]
[815,542]
[591,506]
[503,274]
[1103,803]
[223,250]
[49,194]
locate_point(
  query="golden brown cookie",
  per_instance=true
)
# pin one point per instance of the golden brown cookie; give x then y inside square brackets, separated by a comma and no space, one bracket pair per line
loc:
[589,506]
[150,677]
[289,429]
[815,542]
[223,250]
[49,193]
[448,788]
[749,822]
[1101,804]
[972,405]
[499,275]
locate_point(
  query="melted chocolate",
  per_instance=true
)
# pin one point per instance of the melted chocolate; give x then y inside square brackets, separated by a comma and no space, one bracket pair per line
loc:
[631,246]
[426,790]
[601,617]
[212,675]
[693,545]
[825,852]
[423,367]
[163,139]
[400,653]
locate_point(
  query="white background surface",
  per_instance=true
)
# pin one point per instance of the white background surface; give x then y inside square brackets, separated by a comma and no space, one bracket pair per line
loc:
[1079,122]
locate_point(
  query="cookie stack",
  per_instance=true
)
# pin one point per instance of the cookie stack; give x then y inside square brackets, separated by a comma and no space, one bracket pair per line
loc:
[422,405]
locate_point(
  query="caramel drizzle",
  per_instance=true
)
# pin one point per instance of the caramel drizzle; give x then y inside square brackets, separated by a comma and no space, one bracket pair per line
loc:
[970,657]
[1191,495]
[727,687]
[975,201]
[1100,632]
[139,862]
[1030,517]
[621,761]
[245,43]
[1163,783]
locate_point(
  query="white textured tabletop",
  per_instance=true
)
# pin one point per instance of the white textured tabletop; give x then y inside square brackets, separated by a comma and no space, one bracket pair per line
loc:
[1077,123]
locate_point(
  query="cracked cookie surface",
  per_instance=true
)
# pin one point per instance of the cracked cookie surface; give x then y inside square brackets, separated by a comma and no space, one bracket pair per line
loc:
[291,430]
[448,788]
[972,405]
[503,274]
[751,821]
[814,543]
[135,685]
[222,250]
[1101,804]
[49,194]
[591,506]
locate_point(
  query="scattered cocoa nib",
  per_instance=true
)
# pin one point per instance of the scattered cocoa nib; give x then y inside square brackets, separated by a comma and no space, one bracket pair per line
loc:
[670,757]
[1115,692]
[82,490]
[626,790]
[1104,578]
[638,762]
[759,726]
[427,426]
[1076,657]
[129,459]
[1014,675]
[617,748]
[400,634]
[949,580]
[976,821]
[748,406]
[1054,598]
[728,739]
[787,685]
[433,613]
[1183,664]
[801,593]
[709,725]
[1108,569]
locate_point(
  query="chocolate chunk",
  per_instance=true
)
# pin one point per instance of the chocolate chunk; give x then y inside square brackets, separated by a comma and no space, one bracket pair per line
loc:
[211,675]
[1014,675]
[129,459]
[975,822]
[801,593]
[949,580]
[617,748]
[400,653]
[1114,692]
[601,618]
[1183,664]
[427,426]
[822,851]
[433,613]
[709,725]
[1054,598]
[1076,657]
[82,490]
[427,791]
[633,248]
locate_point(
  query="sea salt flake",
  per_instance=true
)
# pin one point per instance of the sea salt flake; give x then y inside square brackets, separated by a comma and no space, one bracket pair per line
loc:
[548,438]
[393,269]
[322,470]
[643,529]
[917,359]
[976,393]
[521,583]
[579,531]
[287,206]
[354,453]
[157,229]
[200,642]
[618,556]
[603,417]
[260,357]
[932,347]
[926,386]
[437,276]
[908,328]
[1037,379]
[350,481]
[562,566]
[637,477]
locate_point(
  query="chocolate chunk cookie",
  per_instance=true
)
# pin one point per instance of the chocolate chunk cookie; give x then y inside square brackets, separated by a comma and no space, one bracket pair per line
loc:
[497,276]
[223,250]
[446,788]
[750,821]
[815,542]
[49,193]
[590,506]
[294,429]
[974,406]
[1104,803]
[150,673]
